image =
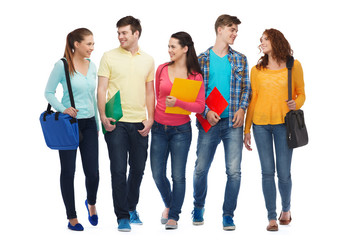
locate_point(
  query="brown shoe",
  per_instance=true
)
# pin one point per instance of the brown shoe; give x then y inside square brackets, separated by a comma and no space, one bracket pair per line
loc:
[285,221]
[272,228]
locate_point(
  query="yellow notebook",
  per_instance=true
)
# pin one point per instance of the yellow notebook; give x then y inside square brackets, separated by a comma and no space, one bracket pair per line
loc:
[185,90]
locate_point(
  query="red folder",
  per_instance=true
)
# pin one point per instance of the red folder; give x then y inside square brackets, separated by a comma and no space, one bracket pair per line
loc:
[215,102]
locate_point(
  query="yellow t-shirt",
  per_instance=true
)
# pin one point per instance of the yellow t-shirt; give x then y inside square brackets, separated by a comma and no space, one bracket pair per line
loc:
[129,74]
[270,92]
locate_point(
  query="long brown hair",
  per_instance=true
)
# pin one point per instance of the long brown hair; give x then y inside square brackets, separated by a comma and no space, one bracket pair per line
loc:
[281,49]
[76,35]
[184,39]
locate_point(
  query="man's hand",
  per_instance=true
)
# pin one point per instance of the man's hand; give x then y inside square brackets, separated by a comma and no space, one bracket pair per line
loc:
[145,131]
[238,118]
[212,117]
[107,123]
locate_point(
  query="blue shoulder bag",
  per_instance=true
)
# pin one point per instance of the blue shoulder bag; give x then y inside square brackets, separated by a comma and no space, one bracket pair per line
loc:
[60,130]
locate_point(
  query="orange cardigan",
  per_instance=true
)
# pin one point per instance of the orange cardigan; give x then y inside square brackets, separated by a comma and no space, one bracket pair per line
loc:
[269,94]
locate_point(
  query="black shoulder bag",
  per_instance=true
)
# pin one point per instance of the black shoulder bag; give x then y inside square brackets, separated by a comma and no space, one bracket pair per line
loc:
[296,128]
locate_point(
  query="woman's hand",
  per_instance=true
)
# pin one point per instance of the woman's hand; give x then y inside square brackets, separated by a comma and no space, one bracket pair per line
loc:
[71,111]
[247,141]
[170,101]
[291,105]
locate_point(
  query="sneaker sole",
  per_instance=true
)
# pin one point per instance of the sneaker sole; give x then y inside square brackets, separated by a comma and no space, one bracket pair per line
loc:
[198,223]
[170,227]
[136,223]
[124,230]
[229,228]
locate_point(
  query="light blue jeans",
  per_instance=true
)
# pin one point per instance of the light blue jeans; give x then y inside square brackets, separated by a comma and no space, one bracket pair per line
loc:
[176,141]
[265,137]
[232,139]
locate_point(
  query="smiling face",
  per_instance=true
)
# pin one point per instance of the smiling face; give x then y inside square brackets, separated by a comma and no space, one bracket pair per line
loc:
[127,38]
[176,51]
[85,47]
[265,44]
[228,34]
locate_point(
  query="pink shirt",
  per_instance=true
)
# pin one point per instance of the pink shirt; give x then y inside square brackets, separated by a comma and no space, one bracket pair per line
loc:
[163,87]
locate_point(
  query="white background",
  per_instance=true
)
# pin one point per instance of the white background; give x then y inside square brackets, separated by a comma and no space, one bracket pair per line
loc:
[33,38]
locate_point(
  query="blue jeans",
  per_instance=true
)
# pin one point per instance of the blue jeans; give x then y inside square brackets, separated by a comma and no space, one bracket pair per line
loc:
[176,141]
[89,151]
[207,143]
[265,137]
[126,144]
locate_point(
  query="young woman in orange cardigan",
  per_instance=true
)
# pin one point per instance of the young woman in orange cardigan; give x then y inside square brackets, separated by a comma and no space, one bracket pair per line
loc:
[266,112]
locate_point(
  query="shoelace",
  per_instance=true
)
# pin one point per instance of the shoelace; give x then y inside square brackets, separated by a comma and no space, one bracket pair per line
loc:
[196,214]
[135,216]
[229,220]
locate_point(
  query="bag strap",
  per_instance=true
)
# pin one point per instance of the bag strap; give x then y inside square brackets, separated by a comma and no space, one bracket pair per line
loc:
[290,63]
[68,82]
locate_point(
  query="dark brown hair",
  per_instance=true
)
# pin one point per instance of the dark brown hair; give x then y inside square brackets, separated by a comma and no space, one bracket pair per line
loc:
[76,35]
[184,39]
[281,49]
[226,20]
[135,24]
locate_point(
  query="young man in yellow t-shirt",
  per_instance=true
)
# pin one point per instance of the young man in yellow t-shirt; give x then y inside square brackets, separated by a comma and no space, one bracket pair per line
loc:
[130,71]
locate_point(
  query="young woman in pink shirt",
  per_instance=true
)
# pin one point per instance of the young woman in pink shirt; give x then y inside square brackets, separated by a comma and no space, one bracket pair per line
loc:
[172,133]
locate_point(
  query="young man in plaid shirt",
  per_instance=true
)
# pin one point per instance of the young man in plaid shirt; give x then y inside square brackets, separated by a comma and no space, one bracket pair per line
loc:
[227,70]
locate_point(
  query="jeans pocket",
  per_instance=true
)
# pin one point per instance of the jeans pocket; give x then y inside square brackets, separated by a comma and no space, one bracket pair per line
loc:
[184,128]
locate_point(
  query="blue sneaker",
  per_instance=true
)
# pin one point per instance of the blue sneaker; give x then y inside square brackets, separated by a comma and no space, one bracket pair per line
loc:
[134,218]
[124,225]
[197,216]
[228,223]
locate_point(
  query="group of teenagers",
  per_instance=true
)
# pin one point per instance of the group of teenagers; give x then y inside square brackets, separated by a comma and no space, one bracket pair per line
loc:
[145,94]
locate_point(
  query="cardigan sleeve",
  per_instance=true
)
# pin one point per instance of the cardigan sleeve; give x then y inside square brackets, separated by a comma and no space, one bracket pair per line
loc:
[199,105]
[57,75]
[298,92]
[254,97]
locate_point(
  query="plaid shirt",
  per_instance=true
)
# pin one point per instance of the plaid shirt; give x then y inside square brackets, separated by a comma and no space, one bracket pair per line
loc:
[240,85]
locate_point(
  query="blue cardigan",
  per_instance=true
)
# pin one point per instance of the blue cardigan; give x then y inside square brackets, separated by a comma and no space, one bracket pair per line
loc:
[83,88]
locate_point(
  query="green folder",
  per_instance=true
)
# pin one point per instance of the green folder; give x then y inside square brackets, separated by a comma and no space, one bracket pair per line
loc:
[113,109]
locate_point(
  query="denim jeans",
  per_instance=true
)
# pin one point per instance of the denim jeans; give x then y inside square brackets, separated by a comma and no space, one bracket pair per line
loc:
[89,155]
[125,144]
[265,137]
[176,141]
[207,143]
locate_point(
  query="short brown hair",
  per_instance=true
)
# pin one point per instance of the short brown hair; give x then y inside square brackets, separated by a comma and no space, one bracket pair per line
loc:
[135,24]
[226,20]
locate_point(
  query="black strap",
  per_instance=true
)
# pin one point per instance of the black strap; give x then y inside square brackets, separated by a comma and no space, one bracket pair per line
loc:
[290,63]
[68,82]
